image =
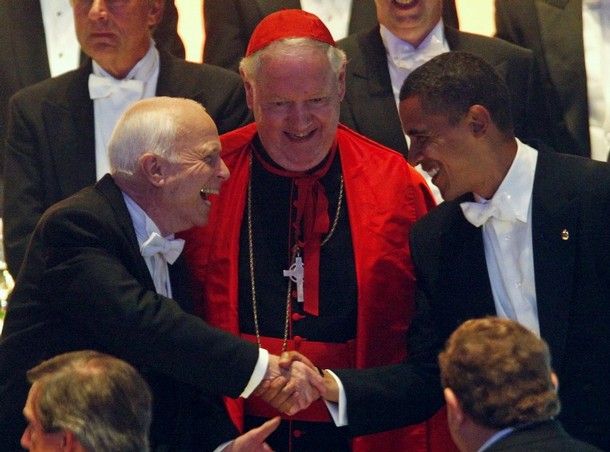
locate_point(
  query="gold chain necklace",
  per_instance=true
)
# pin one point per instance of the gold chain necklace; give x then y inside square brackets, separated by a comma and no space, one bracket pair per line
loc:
[294,253]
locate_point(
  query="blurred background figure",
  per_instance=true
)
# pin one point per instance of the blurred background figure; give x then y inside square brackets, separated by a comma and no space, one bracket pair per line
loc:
[86,401]
[501,391]
[571,42]
[230,23]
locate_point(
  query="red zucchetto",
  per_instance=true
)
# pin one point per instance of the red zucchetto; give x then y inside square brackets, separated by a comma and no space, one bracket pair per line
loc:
[288,23]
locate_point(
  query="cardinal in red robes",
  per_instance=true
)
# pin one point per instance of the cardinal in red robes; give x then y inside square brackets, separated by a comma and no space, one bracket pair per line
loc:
[307,246]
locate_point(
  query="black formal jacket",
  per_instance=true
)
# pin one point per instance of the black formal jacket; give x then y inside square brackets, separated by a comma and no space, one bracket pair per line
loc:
[369,106]
[85,285]
[50,151]
[230,23]
[547,436]
[23,50]
[571,196]
[552,29]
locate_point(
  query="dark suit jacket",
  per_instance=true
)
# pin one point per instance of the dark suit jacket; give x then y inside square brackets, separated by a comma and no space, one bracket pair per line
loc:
[572,280]
[369,106]
[23,51]
[230,23]
[552,29]
[50,151]
[85,285]
[547,436]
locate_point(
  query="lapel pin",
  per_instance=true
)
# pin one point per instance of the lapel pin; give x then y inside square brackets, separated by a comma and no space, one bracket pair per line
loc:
[565,234]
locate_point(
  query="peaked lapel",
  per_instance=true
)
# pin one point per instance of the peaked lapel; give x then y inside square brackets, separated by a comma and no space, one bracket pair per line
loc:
[565,59]
[463,279]
[369,106]
[554,257]
[68,120]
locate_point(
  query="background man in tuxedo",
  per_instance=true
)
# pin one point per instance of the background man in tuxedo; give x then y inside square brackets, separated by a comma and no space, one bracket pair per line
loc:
[501,391]
[539,254]
[571,43]
[103,273]
[38,42]
[230,23]
[59,128]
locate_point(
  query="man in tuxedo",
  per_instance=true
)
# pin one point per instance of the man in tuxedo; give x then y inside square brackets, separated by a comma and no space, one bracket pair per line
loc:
[59,128]
[501,391]
[570,41]
[229,24]
[104,273]
[539,254]
[407,36]
[24,58]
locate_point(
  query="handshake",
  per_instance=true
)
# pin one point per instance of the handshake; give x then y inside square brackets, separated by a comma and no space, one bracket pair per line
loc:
[292,383]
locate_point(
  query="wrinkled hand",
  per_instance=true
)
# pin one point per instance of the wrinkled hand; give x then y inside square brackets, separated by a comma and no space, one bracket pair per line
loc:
[254,440]
[292,387]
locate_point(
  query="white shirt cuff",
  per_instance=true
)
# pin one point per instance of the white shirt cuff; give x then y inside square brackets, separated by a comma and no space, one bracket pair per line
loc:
[258,374]
[338,410]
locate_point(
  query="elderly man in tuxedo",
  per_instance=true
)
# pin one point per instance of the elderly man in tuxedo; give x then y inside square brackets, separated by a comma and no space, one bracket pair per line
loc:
[59,128]
[104,273]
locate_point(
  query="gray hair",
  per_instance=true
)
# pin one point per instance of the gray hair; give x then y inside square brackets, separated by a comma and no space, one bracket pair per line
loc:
[251,64]
[148,126]
[101,399]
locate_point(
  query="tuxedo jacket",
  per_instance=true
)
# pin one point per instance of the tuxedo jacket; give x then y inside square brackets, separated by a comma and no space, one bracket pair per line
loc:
[51,138]
[369,106]
[230,23]
[571,249]
[552,29]
[23,50]
[85,285]
[547,436]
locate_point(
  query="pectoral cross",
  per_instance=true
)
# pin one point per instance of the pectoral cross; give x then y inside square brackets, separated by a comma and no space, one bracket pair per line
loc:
[296,274]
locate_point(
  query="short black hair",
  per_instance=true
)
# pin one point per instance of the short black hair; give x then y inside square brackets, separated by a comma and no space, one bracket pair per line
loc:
[450,83]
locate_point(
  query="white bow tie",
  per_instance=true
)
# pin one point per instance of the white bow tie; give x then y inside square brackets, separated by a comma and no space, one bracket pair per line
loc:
[499,207]
[411,59]
[100,87]
[169,249]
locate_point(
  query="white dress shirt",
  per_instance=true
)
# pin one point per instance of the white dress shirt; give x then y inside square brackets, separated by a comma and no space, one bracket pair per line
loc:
[107,110]
[63,49]
[596,40]
[508,244]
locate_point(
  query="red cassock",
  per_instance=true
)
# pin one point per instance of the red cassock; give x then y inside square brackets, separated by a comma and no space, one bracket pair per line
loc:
[385,196]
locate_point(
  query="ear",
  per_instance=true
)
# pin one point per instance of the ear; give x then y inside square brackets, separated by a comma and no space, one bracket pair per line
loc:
[342,83]
[71,442]
[555,381]
[479,120]
[154,168]
[455,415]
[248,88]
[155,13]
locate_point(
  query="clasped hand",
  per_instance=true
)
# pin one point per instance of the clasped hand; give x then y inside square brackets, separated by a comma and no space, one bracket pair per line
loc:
[291,383]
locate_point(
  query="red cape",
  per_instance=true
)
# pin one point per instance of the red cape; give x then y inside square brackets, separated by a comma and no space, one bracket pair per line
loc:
[385,196]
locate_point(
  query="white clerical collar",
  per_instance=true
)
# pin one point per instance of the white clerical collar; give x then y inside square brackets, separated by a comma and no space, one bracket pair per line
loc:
[143,70]
[398,49]
[517,186]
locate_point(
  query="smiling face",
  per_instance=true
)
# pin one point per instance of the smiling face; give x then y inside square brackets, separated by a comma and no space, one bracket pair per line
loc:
[295,99]
[198,173]
[410,20]
[443,150]
[116,33]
